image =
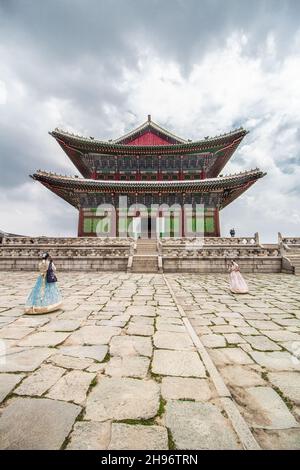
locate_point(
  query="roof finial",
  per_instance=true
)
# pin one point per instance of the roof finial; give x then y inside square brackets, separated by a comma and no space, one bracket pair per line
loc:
[149,117]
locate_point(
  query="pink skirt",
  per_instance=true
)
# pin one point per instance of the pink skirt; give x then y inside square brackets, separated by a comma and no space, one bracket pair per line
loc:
[237,283]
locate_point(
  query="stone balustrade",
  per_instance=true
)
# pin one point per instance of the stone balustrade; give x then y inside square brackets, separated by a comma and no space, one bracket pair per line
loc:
[206,255]
[292,242]
[88,254]
[288,241]
[223,241]
[219,252]
[67,241]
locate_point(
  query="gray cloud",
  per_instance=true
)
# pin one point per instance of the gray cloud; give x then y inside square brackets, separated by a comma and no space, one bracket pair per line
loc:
[66,63]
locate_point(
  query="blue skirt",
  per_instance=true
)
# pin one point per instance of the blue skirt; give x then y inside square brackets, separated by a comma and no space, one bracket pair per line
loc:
[44,297]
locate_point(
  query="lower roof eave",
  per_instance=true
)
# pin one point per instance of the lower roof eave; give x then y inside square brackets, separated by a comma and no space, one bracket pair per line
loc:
[70,188]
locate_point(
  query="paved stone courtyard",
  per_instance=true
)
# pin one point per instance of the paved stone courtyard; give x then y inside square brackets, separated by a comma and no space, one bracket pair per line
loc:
[147,361]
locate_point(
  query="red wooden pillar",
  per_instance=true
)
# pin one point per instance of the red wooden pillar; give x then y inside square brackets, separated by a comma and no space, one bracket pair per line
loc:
[159,174]
[181,169]
[217,222]
[182,221]
[80,223]
[117,222]
[138,172]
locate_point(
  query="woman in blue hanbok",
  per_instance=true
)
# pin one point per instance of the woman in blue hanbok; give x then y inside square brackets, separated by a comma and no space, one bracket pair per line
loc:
[45,296]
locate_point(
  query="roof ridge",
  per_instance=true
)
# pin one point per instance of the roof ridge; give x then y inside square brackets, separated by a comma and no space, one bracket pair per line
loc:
[150,123]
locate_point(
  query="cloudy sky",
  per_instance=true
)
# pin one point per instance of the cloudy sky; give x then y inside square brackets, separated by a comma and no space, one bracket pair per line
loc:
[199,67]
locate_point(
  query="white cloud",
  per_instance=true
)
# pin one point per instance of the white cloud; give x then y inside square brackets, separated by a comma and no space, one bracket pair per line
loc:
[3,93]
[31,209]
[228,88]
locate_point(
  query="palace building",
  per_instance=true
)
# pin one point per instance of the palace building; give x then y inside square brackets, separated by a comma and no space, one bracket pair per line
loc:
[149,167]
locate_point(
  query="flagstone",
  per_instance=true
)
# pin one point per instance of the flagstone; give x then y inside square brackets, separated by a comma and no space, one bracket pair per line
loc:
[224,329]
[89,435]
[44,338]
[147,311]
[95,367]
[24,360]
[263,408]
[247,330]
[293,347]
[199,426]
[241,376]
[282,335]
[172,340]
[39,382]
[130,345]
[166,313]
[97,353]
[177,363]
[35,321]
[168,321]
[223,356]
[264,324]
[143,330]
[170,327]
[179,388]
[142,320]
[93,335]
[276,360]
[36,424]
[73,386]
[262,343]
[138,437]
[61,325]
[234,338]
[213,340]
[74,315]
[12,332]
[122,398]
[8,383]
[69,362]
[288,383]
[288,322]
[118,323]
[283,439]
[6,321]
[128,366]
[13,312]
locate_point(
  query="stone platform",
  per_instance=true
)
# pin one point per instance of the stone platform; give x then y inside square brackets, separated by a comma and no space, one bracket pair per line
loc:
[151,361]
[193,255]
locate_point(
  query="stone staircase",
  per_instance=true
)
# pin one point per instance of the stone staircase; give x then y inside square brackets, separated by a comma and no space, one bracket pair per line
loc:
[145,259]
[294,257]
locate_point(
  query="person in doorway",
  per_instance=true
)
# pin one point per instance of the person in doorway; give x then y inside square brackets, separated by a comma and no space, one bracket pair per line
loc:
[45,296]
[237,283]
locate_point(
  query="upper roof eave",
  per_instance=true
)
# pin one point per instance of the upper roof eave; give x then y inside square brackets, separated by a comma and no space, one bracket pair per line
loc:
[82,142]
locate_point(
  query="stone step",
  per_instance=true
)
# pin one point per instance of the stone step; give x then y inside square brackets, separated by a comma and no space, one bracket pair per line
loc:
[143,263]
[146,247]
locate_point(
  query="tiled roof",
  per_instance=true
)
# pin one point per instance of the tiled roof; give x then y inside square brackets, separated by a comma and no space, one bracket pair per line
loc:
[228,181]
[89,144]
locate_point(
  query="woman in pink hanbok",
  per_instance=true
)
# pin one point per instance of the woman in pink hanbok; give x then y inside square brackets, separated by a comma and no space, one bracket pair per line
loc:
[237,283]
